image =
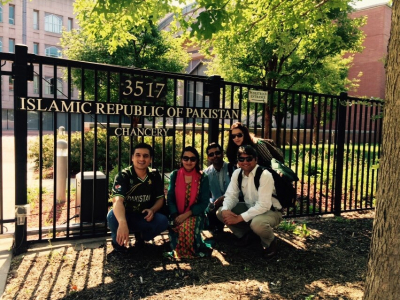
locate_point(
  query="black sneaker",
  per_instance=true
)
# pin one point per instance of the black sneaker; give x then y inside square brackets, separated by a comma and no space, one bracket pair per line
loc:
[118,248]
[270,252]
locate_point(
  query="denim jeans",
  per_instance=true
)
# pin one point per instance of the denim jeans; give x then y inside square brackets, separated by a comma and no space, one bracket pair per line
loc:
[137,223]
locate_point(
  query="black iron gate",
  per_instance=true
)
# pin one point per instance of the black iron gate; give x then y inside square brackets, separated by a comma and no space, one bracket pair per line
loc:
[88,116]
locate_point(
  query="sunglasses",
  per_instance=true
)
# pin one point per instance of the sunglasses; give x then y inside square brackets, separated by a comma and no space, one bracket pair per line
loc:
[214,153]
[247,158]
[239,135]
[191,158]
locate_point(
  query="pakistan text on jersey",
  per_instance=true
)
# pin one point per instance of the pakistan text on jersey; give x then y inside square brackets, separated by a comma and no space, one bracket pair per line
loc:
[140,198]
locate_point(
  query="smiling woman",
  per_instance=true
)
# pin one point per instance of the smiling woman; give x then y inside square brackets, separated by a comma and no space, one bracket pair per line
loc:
[188,195]
[266,148]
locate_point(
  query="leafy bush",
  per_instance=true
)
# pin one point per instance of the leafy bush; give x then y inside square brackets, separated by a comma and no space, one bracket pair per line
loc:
[75,153]
[170,162]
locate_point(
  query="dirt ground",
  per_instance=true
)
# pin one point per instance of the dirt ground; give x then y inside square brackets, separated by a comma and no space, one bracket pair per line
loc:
[328,264]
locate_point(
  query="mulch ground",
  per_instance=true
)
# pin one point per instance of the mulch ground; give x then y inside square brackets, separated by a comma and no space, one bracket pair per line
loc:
[328,264]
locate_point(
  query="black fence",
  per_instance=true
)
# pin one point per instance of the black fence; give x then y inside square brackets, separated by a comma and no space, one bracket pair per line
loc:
[86,118]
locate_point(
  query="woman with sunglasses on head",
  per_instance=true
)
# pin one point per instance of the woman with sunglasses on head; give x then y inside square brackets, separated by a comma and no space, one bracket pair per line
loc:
[266,149]
[188,198]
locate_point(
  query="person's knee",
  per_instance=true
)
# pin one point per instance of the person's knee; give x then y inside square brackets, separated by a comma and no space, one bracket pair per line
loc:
[260,227]
[111,219]
[162,221]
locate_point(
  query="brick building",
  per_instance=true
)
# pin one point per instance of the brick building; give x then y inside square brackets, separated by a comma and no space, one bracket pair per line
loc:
[371,61]
[37,24]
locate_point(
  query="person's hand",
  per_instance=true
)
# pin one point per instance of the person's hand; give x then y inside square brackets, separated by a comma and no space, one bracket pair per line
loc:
[231,218]
[122,234]
[218,203]
[150,214]
[181,218]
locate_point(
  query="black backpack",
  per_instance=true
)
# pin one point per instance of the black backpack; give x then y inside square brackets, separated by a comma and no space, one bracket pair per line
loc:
[285,191]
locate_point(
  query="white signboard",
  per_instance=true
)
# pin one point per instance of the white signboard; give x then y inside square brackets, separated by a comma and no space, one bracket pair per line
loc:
[258,96]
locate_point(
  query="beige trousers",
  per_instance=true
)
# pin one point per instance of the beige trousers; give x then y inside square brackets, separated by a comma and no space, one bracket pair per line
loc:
[262,225]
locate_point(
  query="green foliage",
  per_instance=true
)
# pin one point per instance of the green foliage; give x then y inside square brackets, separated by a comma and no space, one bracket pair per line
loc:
[288,226]
[151,49]
[340,219]
[76,151]
[113,21]
[280,44]
[314,162]
[276,43]
[302,231]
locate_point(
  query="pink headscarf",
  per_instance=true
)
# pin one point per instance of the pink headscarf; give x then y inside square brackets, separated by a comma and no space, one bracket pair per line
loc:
[180,189]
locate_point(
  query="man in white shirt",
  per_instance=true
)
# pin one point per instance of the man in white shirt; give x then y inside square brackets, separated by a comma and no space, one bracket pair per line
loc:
[260,211]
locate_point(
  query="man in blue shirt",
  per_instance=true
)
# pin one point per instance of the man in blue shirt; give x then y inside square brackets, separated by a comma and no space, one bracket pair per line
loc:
[219,179]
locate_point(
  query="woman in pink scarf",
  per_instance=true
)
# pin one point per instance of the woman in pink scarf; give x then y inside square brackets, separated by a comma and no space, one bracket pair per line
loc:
[188,198]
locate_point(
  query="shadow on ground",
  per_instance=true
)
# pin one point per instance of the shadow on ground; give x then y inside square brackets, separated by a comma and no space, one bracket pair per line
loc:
[331,264]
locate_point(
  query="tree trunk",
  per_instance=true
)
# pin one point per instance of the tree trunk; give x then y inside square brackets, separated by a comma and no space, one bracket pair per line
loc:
[267,121]
[383,276]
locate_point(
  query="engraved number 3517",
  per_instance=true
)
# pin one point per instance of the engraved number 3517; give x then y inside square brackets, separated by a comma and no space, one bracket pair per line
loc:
[140,88]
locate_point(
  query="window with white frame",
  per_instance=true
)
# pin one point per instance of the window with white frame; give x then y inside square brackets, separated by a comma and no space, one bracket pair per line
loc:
[53,23]
[36,20]
[52,51]
[1,44]
[36,48]
[11,45]
[35,84]
[1,13]
[49,86]
[11,14]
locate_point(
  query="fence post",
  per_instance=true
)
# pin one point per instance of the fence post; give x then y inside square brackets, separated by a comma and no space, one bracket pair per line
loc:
[20,74]
[213,90]
[340,137]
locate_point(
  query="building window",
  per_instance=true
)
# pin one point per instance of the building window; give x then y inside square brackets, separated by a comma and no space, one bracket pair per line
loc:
[70,24]
[10,84]
[49,86]
[52,51]
[1,44]
[36,48]
[36,84]
[11,45]
[1,13]
[36,19]
[53,23]
[11,14]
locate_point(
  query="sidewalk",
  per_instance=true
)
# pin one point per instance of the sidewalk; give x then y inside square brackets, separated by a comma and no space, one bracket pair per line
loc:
[6,241]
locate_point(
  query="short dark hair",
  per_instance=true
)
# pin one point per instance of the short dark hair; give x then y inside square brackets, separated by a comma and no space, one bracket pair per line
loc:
[246,149]
[213,145]
[144,146]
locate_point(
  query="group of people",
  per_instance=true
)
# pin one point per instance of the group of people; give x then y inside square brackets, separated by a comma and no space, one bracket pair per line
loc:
[196,198]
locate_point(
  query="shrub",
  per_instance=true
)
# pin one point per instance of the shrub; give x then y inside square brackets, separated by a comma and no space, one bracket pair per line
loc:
[75,153]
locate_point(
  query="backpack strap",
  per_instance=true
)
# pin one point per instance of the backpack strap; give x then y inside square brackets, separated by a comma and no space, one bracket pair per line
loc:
[240,178]
[257,177]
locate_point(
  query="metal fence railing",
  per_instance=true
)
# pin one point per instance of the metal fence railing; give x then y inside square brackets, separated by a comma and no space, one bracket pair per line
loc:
[101,111]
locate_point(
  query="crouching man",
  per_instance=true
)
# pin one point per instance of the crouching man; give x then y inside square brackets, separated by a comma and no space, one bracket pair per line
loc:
[138,195]
[260,212]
